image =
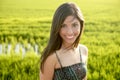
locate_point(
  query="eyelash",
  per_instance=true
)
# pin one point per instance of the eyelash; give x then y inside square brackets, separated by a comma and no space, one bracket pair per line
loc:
[75,25]
[63,25]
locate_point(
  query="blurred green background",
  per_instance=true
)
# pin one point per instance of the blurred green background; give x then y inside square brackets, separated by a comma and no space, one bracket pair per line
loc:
[24,32]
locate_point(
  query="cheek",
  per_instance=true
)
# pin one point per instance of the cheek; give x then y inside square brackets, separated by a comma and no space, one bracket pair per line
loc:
[77,32]
[62,32]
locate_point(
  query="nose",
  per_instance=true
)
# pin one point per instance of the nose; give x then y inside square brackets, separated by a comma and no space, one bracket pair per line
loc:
[69,31]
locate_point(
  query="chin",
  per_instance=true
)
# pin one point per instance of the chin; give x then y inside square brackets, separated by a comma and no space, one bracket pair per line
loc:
[70,42]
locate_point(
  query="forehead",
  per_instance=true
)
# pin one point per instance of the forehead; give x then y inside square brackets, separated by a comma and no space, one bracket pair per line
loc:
[70,19]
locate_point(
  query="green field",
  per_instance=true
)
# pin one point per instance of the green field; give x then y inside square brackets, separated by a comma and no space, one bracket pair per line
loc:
[29,21]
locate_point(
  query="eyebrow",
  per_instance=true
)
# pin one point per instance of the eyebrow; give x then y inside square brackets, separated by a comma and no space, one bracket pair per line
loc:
[71,21]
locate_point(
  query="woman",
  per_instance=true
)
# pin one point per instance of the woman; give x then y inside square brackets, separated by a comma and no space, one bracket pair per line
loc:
[64,58]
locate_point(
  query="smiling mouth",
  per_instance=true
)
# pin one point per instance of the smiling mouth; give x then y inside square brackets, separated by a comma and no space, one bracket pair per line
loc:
[69,37]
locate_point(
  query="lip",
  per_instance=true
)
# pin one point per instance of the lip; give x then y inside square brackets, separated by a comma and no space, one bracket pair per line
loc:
[69,37]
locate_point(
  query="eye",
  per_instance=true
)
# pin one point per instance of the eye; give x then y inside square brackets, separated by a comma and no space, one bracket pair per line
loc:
[75,25]
[63,25]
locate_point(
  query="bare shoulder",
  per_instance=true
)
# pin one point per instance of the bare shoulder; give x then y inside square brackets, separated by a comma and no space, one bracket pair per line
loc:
[51,59]
[48,68]
[84,49]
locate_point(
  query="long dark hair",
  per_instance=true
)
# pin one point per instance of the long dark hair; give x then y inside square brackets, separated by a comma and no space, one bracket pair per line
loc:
[55,41]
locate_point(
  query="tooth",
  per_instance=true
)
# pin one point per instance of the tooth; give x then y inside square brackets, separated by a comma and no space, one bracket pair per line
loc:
[69,36]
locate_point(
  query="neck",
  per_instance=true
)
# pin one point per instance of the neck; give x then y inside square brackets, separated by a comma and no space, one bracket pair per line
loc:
[67,47]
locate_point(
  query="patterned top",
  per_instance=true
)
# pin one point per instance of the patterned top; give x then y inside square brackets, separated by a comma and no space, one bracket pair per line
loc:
[74,72]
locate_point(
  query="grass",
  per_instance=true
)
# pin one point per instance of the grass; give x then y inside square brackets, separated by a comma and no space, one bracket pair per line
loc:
[31,19]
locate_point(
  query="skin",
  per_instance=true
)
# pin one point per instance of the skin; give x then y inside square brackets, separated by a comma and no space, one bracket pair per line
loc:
[69,31]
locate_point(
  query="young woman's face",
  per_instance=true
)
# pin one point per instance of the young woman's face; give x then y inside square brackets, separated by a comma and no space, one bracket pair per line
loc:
[70,30]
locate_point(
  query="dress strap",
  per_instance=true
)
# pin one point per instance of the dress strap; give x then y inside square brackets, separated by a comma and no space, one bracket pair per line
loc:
[80,54]
[63,73]
[58,59]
